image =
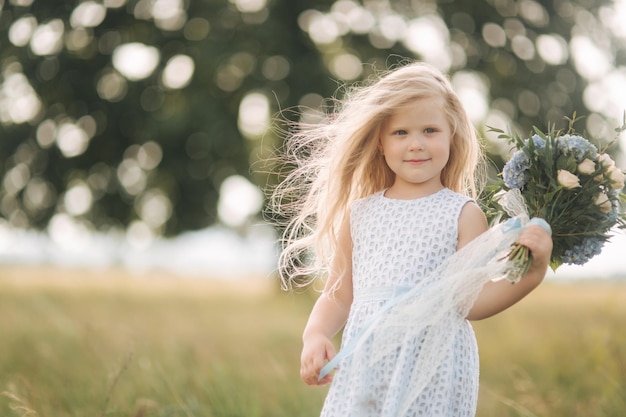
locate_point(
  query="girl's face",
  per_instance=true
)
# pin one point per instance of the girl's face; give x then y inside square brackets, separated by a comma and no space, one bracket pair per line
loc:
[415,141]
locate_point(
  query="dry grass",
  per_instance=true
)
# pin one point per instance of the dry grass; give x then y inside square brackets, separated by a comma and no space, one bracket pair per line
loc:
[113,343]
[143,282]
[560,352]
[86,343]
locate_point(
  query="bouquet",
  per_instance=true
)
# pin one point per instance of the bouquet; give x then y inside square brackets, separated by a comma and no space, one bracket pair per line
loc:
[566,180]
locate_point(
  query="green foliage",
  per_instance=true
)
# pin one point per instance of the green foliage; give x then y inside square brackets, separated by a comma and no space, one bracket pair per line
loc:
[563,179]
[194,128]
[193,131]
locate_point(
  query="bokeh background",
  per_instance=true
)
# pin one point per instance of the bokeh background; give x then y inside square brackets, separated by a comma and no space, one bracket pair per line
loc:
[134,142]
[122,122]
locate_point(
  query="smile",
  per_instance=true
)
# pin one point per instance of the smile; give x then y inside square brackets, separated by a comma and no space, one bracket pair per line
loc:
[416,161]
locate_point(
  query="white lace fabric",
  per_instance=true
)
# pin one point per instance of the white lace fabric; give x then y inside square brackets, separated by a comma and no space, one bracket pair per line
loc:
[420,357]
[400,244]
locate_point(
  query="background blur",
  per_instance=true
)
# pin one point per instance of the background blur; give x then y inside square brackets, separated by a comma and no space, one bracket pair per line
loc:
[142,119]
[134,139]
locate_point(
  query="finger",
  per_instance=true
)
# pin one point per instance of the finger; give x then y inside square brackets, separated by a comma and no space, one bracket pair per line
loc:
[533,234]
[310,378]
[330,351]
[307,371]
[326,380]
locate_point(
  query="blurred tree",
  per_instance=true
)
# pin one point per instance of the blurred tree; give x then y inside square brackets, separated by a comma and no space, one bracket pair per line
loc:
[132,113]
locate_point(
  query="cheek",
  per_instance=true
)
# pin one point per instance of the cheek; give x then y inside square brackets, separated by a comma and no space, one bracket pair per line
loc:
[445,155]
[388,147]
[444,150]
[447,147]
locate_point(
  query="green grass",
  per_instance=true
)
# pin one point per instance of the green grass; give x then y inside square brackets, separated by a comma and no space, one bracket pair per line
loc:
[79,343]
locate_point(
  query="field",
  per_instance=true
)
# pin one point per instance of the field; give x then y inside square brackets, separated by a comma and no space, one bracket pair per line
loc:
[111,343]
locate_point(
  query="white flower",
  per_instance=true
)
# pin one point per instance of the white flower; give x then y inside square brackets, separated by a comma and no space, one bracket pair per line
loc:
[587,167]
[617,178]
[603,203]
[567,179]
[606,161]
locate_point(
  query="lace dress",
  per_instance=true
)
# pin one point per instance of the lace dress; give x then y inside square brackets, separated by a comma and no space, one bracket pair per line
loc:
[395,244]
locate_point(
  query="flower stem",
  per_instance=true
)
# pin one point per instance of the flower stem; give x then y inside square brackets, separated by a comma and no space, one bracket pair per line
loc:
[521,259]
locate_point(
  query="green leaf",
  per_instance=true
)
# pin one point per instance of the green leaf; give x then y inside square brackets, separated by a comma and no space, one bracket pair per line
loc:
[555,263]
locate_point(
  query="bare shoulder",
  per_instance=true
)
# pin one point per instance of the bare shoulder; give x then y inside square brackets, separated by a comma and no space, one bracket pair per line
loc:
[472,222]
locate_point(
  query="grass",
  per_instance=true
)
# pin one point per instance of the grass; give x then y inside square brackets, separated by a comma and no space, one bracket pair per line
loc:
[560,352]
[108,343]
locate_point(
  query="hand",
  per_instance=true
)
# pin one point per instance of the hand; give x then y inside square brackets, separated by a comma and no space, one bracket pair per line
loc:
[315,352]
[539,242]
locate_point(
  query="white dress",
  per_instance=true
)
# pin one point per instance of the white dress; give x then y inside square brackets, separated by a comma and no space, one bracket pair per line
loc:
[395,244]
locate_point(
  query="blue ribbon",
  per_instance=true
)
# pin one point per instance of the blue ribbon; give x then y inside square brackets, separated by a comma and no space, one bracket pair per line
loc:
[349,349]
[511,224]
[515,223]
[541,222]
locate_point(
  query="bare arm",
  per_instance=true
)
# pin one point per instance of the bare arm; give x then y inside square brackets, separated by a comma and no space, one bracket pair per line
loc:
[497,296]
[329,313]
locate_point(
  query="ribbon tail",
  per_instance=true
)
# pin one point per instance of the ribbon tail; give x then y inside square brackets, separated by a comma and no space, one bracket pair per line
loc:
[368,328]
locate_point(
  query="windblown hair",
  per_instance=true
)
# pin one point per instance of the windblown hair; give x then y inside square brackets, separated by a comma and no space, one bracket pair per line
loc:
[336,161]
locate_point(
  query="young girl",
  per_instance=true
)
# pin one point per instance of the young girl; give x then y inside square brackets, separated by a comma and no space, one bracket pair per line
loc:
[380,195]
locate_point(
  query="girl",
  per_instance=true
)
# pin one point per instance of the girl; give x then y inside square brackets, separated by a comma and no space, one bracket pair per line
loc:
[381,194]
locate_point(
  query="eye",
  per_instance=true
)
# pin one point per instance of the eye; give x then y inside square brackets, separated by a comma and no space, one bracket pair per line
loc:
[430,130]
[400,132]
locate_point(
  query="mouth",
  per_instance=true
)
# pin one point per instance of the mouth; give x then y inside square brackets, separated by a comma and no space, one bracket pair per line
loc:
[416,161]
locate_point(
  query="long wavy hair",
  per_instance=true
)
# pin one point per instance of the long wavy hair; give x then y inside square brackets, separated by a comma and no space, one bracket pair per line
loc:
[336,161]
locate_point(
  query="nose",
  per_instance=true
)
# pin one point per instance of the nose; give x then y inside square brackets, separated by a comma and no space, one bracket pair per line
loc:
[416,143]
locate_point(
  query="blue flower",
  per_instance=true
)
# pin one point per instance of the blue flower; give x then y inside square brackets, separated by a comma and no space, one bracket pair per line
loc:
[578,146]
[581,253]
[515,172]
[539,142]
[613,215]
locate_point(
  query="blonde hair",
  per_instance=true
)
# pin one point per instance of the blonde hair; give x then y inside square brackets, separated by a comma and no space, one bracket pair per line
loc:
[337,161]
